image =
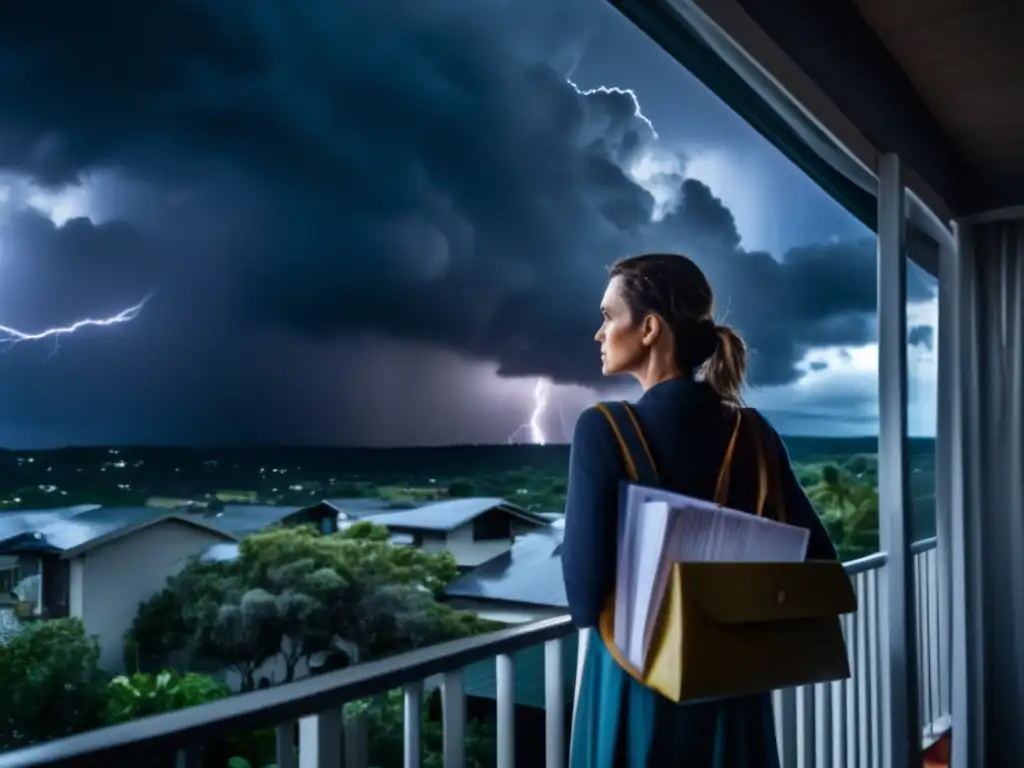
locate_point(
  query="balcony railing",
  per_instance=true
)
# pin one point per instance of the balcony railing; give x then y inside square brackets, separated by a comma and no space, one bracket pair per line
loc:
[833,725]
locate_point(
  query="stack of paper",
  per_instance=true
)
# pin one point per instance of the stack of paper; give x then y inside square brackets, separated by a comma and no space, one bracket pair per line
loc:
[660,528]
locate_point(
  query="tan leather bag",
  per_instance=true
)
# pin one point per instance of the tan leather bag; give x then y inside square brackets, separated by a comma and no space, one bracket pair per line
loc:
[729,629]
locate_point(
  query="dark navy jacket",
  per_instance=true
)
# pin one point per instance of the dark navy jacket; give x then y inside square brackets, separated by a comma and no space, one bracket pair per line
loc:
[687,429]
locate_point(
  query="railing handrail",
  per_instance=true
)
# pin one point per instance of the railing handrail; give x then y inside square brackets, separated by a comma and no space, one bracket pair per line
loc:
[311,695]
[272,706]
[866,563]
[923,545]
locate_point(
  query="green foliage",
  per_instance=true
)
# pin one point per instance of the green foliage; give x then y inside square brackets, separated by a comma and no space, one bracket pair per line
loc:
[385,725]
[461,489]
[141,695]
[292,593]
[240,762]
[50,683]
[849,510]
[144,694]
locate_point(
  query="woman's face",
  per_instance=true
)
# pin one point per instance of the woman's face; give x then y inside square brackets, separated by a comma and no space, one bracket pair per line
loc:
[620,335]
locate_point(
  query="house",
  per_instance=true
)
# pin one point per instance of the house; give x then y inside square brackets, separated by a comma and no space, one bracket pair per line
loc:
[519,586]
[522,584]
[17,522]
[474,530]
[348,511]
[100,564]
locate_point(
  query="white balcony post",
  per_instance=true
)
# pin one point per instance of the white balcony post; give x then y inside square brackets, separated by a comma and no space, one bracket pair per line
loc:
[320,738]
[901,732]
[505,700]
[413,720]
[453,719]
[948,445]
[967,712]
[554,705]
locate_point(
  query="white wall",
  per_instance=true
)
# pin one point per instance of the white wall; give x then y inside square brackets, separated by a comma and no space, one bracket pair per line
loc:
[469,553]
[109,582]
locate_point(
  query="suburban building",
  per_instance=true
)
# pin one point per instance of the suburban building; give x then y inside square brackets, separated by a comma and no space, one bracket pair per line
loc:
[519,586]
[474,530]
[98,566]
[522,584]
[17,522]
[348,511]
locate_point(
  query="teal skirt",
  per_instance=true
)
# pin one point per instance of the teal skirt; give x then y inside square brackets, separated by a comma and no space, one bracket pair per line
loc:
[619,723]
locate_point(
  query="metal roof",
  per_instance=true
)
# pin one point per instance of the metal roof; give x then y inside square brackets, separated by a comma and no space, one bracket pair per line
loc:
[21,520]
[449,515]
[240,519]
[529,573]
[70,532]
[71,528]
[358,507]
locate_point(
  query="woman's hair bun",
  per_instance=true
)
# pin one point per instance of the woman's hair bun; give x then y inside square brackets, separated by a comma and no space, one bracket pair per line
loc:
[700,340]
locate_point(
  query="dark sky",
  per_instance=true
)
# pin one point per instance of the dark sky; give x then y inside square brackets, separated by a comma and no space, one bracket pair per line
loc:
[383,221]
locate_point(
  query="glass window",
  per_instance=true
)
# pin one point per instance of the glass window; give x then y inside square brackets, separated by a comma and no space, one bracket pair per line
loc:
[922,396]
[8,576]
[922,412]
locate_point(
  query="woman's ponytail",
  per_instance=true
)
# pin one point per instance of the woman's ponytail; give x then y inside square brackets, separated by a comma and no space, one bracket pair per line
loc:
[726,369]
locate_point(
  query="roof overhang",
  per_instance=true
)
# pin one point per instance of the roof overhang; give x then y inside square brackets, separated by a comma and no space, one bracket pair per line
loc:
[178,519]
[828,72]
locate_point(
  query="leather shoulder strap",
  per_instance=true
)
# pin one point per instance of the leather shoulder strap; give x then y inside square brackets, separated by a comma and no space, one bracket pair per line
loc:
[641,470]
[725,471]
[635,452]
[770,499]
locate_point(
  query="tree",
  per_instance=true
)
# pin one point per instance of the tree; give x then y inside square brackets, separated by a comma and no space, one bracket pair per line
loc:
[235,627]
[849,510]
[293,592]
[51,684]
[159,629]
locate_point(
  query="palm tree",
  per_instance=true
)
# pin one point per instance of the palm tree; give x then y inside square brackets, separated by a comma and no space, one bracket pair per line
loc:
[849,510]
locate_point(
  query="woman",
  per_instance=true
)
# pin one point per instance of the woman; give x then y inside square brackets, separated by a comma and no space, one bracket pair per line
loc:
[658,328]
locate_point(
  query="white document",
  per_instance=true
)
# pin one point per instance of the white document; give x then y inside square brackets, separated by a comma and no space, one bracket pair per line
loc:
[661,528]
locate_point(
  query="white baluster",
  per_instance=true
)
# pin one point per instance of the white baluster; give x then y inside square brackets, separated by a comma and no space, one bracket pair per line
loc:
[320,740]
[453,713]
[554,705]
[412,721]
[505,682]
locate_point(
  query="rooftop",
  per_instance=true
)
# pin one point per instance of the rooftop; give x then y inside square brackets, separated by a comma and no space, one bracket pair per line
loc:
[67,532]
[358,507]
[240,519]
[451,514]
[530,573]
[20,520]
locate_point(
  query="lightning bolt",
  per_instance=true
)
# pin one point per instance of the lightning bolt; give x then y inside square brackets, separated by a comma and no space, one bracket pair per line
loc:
[9,337]
[638,113]
[541,395]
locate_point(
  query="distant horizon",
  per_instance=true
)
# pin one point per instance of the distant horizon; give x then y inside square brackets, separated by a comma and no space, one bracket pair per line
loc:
[437,446]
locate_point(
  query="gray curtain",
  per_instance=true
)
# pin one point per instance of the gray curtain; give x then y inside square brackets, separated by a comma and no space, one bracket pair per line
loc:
[986,445]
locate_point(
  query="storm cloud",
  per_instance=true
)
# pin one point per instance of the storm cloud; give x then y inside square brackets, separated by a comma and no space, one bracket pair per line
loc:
[416,171]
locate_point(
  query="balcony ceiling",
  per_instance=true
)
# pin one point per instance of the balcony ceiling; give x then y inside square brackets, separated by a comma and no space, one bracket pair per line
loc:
[966,60]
